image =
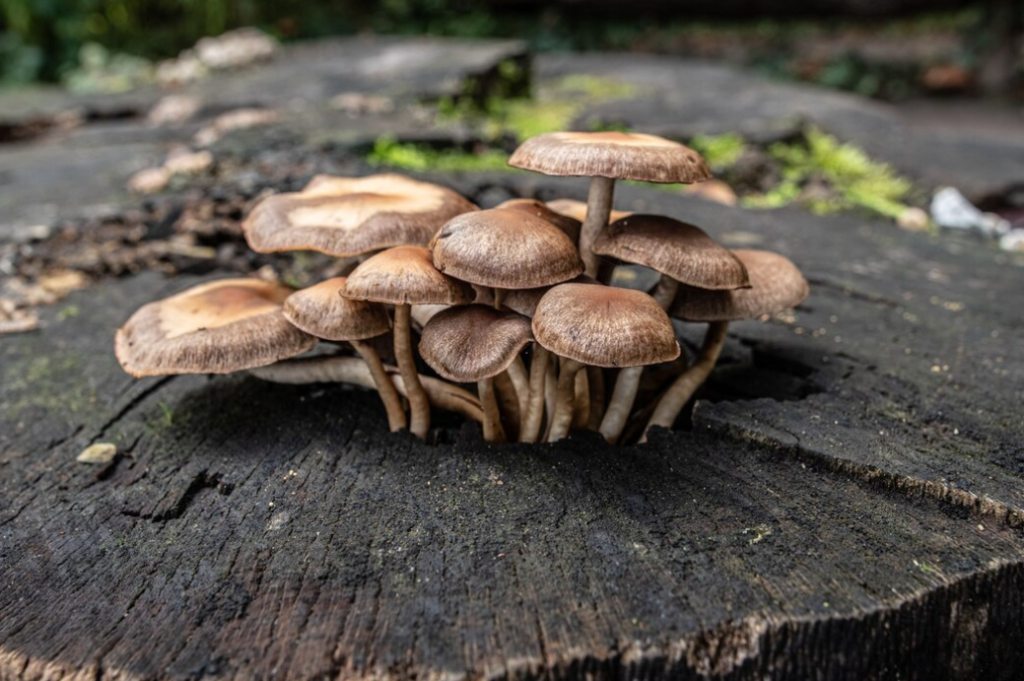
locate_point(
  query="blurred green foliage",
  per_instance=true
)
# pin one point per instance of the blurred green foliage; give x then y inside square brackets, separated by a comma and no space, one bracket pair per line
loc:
[43,39]
[390,153]
[850,180]
[720,151]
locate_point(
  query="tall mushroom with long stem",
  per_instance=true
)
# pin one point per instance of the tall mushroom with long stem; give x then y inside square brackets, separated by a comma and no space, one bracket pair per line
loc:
[605,157]
[595,325]
[507,250]
[475,343]
[682,254]
[776,284]
[406,276]
[215,328]
[321,311]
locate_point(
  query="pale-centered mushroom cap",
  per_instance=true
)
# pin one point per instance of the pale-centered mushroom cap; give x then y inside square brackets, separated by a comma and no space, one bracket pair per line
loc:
[567,223]
[321,311]
[604,326]
[405,275]
[775,285]
[506,249]
[215,328]
[680,250]
[617,155]
[577,210]
[348,216]
[473,342]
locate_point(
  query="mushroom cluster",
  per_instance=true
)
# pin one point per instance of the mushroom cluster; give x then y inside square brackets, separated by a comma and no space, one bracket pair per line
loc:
[510,308]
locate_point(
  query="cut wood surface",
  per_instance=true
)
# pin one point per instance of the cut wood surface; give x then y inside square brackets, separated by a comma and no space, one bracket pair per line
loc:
[847,505]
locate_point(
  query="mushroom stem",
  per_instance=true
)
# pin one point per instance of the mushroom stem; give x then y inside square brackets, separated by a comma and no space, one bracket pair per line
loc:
[521,380]
[665,291]
[530,431]
[581,402]
[683,388]
[595,379]
[599,208]
[499,298]
[621,404]
[492,418]
[563,406]
[419,404]
[353,370]
[628,381]
[388,393]
[508,404]
[551,388]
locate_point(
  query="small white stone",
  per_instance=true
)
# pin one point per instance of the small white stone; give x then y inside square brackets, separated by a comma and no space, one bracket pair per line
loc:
[100,452]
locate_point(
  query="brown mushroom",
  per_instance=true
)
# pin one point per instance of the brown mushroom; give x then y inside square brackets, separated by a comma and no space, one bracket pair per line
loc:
[606,157]
[321,311]
[405,276]
[347,216]
[681,253]
[505,249]
[214,328]
[475,343]
[775,285]
[588,324]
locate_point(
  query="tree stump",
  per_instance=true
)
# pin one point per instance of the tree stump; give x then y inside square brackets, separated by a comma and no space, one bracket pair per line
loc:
[846,504]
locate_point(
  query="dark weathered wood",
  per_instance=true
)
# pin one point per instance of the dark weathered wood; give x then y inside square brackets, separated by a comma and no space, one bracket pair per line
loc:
[839,511]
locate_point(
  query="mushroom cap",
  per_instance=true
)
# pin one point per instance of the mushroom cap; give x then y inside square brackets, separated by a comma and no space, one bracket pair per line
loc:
[604,326]
[405,275]
[524,301]
[775,285]
[618,155]
[214,328]
[567,223]
[506,248]
[348,216]
[321,311]
[577,210]
[473,342]
[680,250]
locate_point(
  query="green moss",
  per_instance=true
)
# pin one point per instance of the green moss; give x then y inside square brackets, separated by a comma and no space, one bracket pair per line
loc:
[387,151]
[856,181]
[49,382]
[720,151]
[68,312]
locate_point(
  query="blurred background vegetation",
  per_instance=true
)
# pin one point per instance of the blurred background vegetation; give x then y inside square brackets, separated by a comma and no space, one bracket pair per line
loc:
[55,40]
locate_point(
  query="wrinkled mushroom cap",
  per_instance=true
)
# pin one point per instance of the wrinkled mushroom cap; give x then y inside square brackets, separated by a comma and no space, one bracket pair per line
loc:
[617,155]
[577,210]
[473,342]
[604,326]
[775,285]
[675,248]
[506,248]
[348,216]
[568,224]
[405,275]
[321,311]
[215,328]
